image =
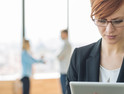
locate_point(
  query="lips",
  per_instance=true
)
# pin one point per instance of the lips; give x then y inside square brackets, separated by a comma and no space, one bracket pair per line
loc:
[111,36]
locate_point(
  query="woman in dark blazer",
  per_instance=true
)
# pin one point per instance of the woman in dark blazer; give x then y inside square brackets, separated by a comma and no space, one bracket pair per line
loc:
[91,63]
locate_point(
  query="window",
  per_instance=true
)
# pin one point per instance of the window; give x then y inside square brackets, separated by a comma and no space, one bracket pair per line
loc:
[82,29]
[10,36]
[44,20]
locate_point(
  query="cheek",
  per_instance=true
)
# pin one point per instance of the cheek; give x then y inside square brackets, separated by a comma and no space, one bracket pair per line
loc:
[101,30]
[120,31]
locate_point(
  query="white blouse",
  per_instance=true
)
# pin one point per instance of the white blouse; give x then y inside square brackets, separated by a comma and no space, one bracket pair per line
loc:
[108,75]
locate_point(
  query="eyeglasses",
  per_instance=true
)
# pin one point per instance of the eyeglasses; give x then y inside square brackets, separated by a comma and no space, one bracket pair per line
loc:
[103,22]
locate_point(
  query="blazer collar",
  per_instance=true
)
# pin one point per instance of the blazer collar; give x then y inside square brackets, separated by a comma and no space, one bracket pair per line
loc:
[93,63]
[121,74]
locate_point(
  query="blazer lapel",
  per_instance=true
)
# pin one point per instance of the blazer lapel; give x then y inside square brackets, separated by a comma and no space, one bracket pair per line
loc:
[93,63]
[121,74]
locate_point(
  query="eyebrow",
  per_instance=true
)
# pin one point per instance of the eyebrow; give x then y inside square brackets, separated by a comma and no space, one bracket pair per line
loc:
[118,18]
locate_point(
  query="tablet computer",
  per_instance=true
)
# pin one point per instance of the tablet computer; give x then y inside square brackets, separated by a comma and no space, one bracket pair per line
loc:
[96,88]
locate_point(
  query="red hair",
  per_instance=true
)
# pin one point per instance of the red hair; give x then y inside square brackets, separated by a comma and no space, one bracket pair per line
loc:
[104,8]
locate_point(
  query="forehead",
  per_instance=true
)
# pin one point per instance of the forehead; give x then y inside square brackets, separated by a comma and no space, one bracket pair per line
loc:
[117,14]
[63,32]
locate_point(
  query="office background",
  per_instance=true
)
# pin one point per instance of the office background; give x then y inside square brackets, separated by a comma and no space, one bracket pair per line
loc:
[44,19]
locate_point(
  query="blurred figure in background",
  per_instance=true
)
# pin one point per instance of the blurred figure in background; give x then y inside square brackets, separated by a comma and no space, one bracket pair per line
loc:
[27,61]
[64,58]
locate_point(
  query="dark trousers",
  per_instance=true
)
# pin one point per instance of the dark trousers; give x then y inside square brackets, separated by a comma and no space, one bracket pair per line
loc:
[63,82]
[26,85]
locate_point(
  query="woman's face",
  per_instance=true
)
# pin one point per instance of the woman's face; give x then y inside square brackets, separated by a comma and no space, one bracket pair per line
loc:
[110,33]
[27,46]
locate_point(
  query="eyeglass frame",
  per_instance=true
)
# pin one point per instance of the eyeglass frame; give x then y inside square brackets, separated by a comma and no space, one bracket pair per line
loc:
[107,22]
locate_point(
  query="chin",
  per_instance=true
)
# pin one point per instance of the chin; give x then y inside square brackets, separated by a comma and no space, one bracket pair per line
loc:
[112,41]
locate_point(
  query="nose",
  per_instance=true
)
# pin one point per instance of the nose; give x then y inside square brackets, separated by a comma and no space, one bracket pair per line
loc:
[110,28]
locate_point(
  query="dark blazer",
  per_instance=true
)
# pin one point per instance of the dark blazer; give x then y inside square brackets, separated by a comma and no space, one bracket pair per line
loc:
[85,64]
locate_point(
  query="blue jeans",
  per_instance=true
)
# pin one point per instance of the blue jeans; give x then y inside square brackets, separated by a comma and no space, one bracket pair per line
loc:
[63,82]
